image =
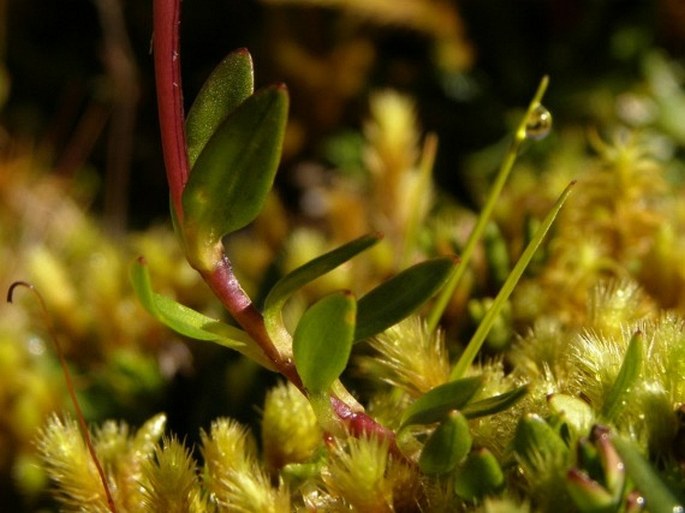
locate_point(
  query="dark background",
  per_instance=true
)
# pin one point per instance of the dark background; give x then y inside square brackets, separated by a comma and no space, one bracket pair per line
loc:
[54,57]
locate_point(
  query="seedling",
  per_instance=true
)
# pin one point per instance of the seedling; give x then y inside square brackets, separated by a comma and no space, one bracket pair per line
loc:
[432,443]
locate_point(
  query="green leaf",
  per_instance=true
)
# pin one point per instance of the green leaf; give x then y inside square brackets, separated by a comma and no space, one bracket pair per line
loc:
[436,403]
[588,495]
[316,268]
[476,342]
[447,445]
[307,273]
[176,316]
[296,474]
[229,85]
[659,498]
[537,444]
[322,341]
[234,173]
[612,466]
[480,475]
[627,376]
[572,410]
[400,296]
[189,322]
[494,404]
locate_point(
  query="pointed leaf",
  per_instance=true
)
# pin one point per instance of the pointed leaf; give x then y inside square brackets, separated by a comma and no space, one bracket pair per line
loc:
[176,316]
[322,341]
[485,214]
[307,273]
[234,173]
[316,268]
[188,322]
[627,376]
[659,498]
[400,296]
[229,85]
[494,404]
[476,342]
[447,445]
[436,403]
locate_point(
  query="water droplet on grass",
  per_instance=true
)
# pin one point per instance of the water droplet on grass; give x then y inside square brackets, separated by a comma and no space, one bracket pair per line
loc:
[539,123]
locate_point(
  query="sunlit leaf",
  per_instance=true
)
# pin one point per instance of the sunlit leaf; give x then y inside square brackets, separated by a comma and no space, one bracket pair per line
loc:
[307,273]
[148,435]
[627,376]
[230,84]
[316,268]
[400,296]
[436,403]
[447,445]
[575,412]
[188,322]
[494,404]
[176,316]
[323,340]
[234,173]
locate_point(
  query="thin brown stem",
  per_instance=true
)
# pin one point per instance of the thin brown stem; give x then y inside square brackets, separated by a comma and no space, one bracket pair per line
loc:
[70,387]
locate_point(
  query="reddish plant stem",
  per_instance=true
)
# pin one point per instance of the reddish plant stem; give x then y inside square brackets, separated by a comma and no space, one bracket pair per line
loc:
[166,14]
[226,287]
[359,424]
[221,278]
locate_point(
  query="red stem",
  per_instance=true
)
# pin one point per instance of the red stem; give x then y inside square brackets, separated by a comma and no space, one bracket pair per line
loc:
[360,424]
[226,287]
[221,279]
[166,14]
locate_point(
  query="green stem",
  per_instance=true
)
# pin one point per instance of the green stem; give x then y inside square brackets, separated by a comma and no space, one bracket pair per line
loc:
[453,281]
[476,342]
